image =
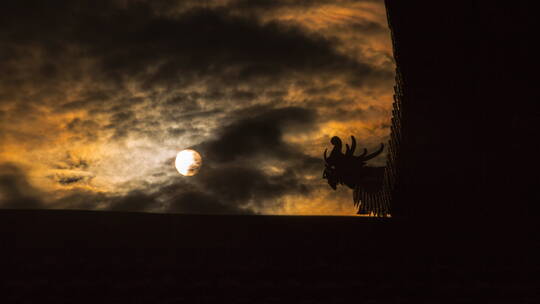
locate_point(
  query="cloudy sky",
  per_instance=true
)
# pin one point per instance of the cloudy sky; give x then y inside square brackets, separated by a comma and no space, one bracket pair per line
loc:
[98,97]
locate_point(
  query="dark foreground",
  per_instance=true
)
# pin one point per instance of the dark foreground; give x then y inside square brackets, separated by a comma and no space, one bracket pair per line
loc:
[103,257]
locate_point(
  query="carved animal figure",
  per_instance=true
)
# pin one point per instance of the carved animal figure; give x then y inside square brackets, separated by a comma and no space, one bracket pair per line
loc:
[350,170]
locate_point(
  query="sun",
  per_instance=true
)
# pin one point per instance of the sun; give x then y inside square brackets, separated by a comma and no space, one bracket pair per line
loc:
[188,162]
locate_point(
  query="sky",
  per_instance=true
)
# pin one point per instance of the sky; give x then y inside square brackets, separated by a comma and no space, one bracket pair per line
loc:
[98,97]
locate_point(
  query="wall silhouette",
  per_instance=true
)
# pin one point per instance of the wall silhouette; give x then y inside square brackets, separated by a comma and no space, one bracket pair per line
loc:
[464,131]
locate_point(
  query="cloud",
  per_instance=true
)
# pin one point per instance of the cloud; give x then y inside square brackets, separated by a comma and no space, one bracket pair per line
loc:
[15,190]
[229,181]
[257,87]
[134,201]
[137,43]
[258,134]
[193,202]
[70,180]
[70,162]
[231,189]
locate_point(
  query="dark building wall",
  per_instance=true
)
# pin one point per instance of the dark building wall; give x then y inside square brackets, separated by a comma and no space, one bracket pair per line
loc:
[507,81]
[469,109]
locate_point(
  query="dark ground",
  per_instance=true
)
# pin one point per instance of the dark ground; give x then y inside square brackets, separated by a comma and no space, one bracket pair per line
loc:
[109,257]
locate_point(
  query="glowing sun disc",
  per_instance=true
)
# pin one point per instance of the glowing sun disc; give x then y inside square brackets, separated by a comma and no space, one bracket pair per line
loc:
[188,162]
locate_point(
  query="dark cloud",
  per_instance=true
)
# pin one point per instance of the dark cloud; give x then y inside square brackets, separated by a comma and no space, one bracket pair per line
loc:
[121,122]
[258,134]
[242,184]
[232,189]
[229,183]
[233,48]
[15,190]
[81,200]
[70,180]
[84,128]
[70,162]
[203,203]
[176,131]
[134,42]
[367,27]
[134,201]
